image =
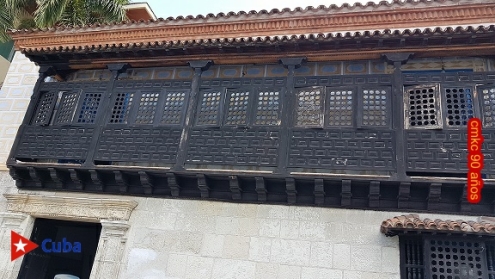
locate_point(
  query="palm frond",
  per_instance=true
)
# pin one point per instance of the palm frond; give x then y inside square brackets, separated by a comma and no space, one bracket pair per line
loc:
[5,21]
[49,12]
[107,10]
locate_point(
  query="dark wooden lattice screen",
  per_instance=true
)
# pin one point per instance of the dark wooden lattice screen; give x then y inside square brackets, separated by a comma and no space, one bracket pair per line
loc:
[210,108]
[423,107]
[309,107]
[147,107]
[268,107]
[375,107]
[340,107]
[173,109]
[488,106]
[121,108]
[67,108]
[455,259]
[45,108]
[433,257]
[89,108]
[238,105]
[458,105]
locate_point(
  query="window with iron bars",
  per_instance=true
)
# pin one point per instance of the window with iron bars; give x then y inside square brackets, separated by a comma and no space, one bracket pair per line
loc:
[436,257]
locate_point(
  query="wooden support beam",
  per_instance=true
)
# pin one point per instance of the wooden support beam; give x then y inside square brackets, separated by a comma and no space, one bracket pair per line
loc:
[235,187]
[290,189]
[260,188]
[203,186]
[147,182]
[122,180]
[434,196]
[33,174]
[96,179]
[404,195]
[346,193]
[78,182]
[319,191]
[57,177]
[464,204]
[374,194]
[173,185]
[15,175]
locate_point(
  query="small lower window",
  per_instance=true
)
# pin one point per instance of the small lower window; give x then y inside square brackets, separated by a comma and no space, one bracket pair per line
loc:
[434,257]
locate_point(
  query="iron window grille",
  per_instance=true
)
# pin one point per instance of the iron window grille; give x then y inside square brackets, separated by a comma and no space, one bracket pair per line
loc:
[439,106]
[434,257]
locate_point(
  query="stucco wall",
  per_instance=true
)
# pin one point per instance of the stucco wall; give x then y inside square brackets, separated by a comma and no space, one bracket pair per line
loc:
[14,99]
[4,67]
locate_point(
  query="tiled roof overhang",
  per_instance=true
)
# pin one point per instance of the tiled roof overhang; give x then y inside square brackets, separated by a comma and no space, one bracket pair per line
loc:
[407,18]
[412,224]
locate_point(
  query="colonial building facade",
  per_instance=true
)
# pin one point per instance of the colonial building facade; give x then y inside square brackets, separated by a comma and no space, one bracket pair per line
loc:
[275,144]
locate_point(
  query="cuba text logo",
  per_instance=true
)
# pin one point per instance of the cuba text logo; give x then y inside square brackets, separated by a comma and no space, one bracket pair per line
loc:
[65,246]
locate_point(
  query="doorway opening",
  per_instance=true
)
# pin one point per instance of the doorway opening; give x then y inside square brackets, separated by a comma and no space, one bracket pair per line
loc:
[66,250]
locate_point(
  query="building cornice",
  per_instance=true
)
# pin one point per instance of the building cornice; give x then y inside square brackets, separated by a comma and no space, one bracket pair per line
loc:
[55,207]
[164,33]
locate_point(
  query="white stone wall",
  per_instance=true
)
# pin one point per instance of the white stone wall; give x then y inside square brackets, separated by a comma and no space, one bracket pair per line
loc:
[201,239]
[173,238]
[4,67]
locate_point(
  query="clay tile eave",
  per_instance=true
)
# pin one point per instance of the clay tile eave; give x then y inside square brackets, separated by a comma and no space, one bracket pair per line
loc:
[401,225]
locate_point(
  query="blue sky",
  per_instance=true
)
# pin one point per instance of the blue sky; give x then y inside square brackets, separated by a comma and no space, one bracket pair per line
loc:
[166,8]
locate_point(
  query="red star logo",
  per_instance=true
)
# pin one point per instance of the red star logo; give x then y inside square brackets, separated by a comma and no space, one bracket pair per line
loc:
[19,245]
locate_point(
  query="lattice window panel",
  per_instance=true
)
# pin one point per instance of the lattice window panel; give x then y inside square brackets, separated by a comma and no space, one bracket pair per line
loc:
[413,266]
[121,108]
[309,107]
[459,105]
[173,108]
[45,108]
[209,108]
[455,259]
[89,108]
[375,107]
[490,259]
[488,107]
[422,107]
[67,108]
[238,103]
[147,108]
[340,107]
[268,108]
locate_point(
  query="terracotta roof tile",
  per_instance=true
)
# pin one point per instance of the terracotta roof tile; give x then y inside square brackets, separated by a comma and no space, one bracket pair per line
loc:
[370,6]
[257,40]
[412,223]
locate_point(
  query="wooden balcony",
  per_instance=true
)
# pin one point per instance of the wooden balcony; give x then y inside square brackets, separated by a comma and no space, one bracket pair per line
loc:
[287,133]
